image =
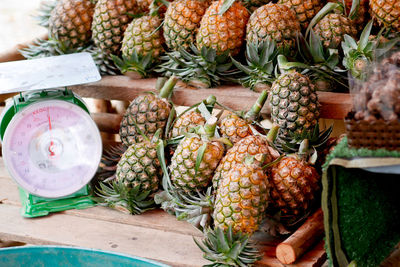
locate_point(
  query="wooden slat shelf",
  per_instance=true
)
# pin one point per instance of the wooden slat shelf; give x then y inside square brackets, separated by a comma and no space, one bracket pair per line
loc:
[333,105]
[155,235]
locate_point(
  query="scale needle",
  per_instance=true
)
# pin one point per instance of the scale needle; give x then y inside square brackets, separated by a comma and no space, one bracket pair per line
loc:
[51,142]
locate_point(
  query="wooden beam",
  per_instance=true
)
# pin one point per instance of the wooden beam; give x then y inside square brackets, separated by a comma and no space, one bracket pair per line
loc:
[333,105]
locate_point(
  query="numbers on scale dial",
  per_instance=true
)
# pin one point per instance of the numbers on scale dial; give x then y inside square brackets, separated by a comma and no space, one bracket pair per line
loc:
[52,147]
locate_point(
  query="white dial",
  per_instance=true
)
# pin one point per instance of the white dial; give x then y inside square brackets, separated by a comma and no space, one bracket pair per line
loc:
[52,148]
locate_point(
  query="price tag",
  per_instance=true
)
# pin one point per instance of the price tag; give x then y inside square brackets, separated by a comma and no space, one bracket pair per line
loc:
[49,72]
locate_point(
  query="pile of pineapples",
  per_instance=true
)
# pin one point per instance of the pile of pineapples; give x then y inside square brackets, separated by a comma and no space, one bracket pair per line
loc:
[219,169]
[205,43]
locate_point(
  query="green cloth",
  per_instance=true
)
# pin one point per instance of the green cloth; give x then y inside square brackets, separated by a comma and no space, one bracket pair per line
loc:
[361,208]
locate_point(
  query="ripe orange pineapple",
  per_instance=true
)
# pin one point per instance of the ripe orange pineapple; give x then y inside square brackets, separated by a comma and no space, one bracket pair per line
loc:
[236,127]
[305,9]
[294,186]
[223,32]
[386,12]
[251,145]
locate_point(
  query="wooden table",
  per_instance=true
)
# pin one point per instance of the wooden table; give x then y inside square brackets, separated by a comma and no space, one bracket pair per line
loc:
[155,235]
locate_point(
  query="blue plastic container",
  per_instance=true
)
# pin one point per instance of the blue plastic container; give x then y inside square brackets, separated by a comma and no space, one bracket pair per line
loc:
[58,256]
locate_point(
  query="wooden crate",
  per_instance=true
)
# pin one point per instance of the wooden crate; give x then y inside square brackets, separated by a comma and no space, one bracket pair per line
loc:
[155,234]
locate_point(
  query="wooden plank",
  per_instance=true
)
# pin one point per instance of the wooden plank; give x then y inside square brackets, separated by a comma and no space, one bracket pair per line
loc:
[171,248]
[333,105]
[104,222]
[107,122]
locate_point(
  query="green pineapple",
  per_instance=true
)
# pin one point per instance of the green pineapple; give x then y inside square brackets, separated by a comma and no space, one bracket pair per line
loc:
[70,22]
[110,20]
[138,175]
[146,114]
[294,103]
[195,159]
[141,47]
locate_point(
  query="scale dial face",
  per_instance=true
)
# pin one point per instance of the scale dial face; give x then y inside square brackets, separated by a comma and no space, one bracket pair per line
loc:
[52,148]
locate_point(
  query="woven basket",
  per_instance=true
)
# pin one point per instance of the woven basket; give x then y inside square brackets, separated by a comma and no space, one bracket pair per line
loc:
[372,135]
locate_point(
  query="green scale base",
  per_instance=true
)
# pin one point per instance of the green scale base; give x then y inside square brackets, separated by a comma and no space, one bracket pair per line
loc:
[34,206]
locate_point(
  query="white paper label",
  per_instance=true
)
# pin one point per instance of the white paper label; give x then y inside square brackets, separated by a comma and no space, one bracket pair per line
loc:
[49,72]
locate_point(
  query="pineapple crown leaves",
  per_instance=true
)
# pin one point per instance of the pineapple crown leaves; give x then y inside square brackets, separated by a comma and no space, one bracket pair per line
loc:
[196,208]
[261,61]
[121,197]
[226,248]
[295,142]
[46,48]
[200,68]
[137,66]
[358,55]
[44,12]
[313,71]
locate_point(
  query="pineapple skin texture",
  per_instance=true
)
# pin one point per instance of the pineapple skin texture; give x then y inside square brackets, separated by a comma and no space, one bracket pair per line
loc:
[183,162]
[294,185]
[139,165]
[223,32]
[332,28]
[274,21]
[141,36]
[241,199]
[305,9]
[386,12]
[70,21]
[187,121]
[182,21]
[294,103]
[251,145]
[234,128]
[110,21]
[149,113]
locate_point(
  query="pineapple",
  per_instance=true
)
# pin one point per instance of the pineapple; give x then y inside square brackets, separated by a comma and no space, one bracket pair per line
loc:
[361,14]
[241,198]
[223,27]
[358,56]
[195,159]
[110,20]
[236,127]
[276,22]
[181,22]
[332,25]
[193,117]
[70,22]
[146,114]
[305,9]
[251,145]
[294,102]
[294,185]
[386,12]
[141,46]
[138,175]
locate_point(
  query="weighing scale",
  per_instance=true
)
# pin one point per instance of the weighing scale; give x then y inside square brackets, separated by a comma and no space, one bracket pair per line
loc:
[51,146]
